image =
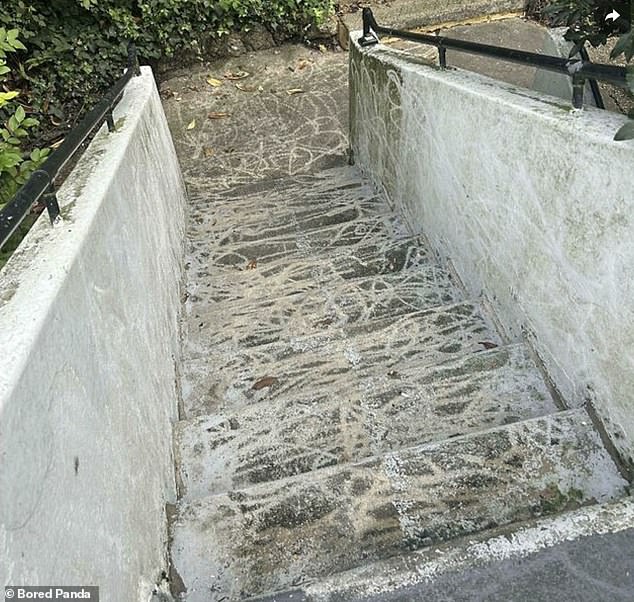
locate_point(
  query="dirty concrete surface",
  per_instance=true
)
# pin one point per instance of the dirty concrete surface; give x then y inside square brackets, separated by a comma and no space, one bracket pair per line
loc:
[343,402]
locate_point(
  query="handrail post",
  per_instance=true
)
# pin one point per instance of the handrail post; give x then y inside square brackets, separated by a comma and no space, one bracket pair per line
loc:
[110,122]
[369,28]
[578,85]
[442,57]
[133,59]
[594,86]
[49,197]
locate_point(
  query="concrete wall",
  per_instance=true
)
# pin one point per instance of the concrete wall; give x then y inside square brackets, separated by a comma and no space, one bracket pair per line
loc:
[89,339]
[532,202]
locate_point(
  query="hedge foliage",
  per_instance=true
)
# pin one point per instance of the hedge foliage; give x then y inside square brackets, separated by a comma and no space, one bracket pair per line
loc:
[78,47]
[17,161]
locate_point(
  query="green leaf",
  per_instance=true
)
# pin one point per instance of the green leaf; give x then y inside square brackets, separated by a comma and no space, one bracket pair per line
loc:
[624,45]
[626,132]
[9,159]
[20,115]
[6,97]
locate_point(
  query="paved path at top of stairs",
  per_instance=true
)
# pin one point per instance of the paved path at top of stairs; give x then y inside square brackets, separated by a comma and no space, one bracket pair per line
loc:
[344,402]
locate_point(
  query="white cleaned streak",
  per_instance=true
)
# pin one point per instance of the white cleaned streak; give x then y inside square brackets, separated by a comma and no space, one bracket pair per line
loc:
[426,565]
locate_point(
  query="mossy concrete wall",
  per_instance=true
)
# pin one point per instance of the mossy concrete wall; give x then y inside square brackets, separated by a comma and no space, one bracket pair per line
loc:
[89,340]
[531,201]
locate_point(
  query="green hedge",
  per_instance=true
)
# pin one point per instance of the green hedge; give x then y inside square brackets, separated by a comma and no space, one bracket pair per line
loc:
[77,47]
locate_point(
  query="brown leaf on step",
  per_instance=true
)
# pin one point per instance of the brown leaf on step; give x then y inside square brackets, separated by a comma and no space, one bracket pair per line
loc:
[487,344]
[212,81]
[294,91]
[267,381]
[303,63]
[232,75]
[218,114]
[208,151]
[323,323]
[252,264]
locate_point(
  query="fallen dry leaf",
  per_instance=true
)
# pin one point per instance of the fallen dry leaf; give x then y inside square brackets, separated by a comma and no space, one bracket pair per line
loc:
[245,88]
[267,381]
[303,63]
[208,151]
[233,75]
[294,91]
[488,344]
[218,114]
[252,264]
[191,125]
[322,48]
[212,81]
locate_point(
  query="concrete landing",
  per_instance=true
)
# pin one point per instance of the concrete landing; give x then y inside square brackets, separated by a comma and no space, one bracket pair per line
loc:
[410,14]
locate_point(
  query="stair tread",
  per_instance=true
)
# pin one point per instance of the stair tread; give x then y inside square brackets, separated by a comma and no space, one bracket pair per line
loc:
[281,207]
[337,303]
[271,536]
[350,421]
[230,376]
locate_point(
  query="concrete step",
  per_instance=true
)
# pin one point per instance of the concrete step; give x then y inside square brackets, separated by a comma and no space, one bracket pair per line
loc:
[336,304]
[280,267]
[274,536]
[582,555]
[353,420]
[229,376]
[275,208]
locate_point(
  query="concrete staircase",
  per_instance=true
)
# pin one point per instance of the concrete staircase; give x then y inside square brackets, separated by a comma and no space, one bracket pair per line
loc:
[344,403]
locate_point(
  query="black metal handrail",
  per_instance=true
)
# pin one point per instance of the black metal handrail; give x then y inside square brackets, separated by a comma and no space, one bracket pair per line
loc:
[579,70]
[41,184]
